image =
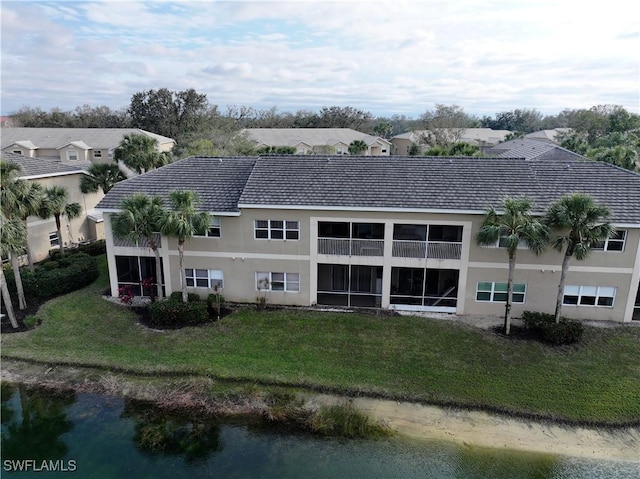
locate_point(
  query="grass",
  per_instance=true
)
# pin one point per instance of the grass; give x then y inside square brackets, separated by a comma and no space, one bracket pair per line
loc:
[430,361]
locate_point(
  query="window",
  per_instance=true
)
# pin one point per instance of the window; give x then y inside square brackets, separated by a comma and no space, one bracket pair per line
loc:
[277,229]
[214,230]
[589,295]
[289,282]
[204,278]
[54,241]
[97,154]
[72,155]
[497,292]
[18,152]
[615,243]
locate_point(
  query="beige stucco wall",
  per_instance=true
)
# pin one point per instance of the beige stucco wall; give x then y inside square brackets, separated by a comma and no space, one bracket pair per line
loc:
[239,255]
[81,228]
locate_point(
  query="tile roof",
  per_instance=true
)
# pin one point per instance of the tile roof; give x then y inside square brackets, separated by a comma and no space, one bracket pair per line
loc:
[310,136]
[217,181]
[530,149]
[52,138]
[39,167]
[462,184]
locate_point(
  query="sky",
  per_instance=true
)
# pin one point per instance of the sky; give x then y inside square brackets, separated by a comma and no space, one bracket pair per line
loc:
[385,57]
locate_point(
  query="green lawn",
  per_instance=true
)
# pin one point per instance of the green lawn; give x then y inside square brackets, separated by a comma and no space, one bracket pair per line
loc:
[403,357]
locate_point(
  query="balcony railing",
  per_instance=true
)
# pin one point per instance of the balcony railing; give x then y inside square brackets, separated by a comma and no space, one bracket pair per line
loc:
[427,249]
[351,247]
[143,243]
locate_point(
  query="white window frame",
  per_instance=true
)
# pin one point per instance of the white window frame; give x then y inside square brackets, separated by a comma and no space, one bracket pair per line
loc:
[214,224]
[75,153]
[493,292]
[266,280]
[54,241]
[290,229]
[598,293]
[204,278]
[605,245]
[97,153]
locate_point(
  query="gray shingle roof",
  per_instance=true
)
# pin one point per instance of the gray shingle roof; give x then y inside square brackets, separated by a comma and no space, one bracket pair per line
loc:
[52,138]
[310,136]
[374,183]
[39,166]
[217,181]
[530,149]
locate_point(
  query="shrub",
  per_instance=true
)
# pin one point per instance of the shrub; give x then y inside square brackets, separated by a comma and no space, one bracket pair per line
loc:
[176,297]
[567,331]
[74,272]
[175,314]
[95,248]
[214,299]
[31,321]
[49,265]
[125,293]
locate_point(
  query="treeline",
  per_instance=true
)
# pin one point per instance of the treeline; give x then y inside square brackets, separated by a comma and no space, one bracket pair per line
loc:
[603,132]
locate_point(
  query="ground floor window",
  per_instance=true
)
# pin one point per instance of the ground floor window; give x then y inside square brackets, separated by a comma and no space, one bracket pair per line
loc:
[349,285]
[204,278]
[137,273]
[424,287]
[54,241]
[636,309]
[497,292]
[270,281]
[589,295]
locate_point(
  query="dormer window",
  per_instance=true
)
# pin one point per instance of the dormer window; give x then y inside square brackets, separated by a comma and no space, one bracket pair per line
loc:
[72,155]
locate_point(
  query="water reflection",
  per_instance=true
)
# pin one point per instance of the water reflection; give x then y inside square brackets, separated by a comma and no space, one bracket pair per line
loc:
[33,427]
[113,438]
[171,433]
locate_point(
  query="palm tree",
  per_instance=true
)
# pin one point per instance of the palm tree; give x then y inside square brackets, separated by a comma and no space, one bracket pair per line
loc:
[357,147]
[56,204]
[101,176]
[12,238]
[580,220]
[183,221]
[512,227]
[138,152]
[140,218]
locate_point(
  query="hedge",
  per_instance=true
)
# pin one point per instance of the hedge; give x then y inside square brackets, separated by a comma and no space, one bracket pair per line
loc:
[74,272]
[567,331]
[175,314]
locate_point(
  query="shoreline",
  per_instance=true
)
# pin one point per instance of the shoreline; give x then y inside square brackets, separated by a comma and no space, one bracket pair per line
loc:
[412,420]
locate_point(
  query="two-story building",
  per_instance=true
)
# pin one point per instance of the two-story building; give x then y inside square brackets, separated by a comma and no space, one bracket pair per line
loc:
[394,233]
[42,233]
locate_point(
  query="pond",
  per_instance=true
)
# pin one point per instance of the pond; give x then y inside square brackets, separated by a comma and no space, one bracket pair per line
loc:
[48,433]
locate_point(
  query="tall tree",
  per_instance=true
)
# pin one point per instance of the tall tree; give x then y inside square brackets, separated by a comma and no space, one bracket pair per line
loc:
[183,221]
[512,227]
[168,113]
[140,217]
[56,204]
[12,238]
[445,125]
[101,176]
[581,224]
[139,153]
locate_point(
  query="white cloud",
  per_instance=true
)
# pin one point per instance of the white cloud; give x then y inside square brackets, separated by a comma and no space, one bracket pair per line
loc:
[386,57]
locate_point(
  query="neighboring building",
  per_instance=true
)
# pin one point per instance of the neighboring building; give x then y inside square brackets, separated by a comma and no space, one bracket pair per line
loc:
[42,233]
[547,135]
[321,141]
[480,137]
[72,146]
[531,149]
[369,232]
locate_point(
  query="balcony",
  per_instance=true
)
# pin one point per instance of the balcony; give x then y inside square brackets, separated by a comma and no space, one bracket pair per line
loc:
[351,247]
[427,249]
